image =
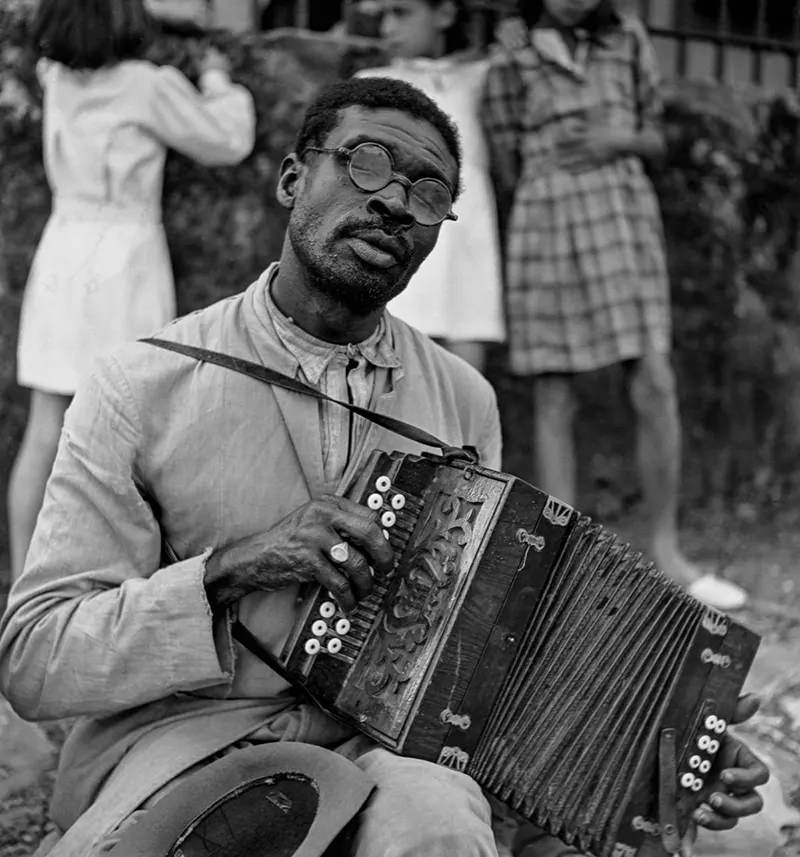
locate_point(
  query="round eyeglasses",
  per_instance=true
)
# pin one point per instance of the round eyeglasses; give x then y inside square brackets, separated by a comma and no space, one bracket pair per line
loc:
[371,168]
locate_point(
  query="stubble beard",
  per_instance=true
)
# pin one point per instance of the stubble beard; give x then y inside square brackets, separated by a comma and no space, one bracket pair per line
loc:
[344,280]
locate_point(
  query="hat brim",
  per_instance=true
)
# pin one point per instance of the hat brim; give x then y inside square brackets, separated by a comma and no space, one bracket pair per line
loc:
[283,799]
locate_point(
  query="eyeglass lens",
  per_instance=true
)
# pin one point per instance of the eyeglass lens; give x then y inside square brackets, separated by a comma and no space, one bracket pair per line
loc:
[371,169]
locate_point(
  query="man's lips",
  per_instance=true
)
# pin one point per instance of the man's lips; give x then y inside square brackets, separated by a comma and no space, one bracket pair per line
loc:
[377,248]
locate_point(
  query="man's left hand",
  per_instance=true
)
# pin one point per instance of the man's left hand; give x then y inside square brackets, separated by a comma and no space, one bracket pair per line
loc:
[734,795]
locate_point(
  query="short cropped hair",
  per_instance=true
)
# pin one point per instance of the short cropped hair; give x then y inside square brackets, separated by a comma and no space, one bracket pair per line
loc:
[374,93]
[89,34]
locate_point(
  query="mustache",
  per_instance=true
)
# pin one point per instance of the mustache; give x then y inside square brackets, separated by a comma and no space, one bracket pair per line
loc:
[397,230]
[395,235]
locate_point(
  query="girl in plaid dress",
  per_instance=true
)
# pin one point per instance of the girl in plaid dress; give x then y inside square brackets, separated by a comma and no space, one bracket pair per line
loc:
[570,116]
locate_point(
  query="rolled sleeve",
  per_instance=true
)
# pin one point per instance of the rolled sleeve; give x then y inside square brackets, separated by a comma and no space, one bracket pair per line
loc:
[214,127]
[94,625]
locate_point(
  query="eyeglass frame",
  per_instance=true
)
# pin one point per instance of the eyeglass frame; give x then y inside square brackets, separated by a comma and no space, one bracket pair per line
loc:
[394,176]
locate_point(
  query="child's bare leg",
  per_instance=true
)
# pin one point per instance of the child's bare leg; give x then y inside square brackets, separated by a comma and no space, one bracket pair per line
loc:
[31,471]
[554,441]
[658,452]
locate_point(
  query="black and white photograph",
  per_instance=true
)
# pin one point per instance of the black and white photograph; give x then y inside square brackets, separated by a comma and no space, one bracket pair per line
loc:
[400,428]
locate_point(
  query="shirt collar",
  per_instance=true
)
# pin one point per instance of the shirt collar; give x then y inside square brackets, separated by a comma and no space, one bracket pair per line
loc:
[314,355]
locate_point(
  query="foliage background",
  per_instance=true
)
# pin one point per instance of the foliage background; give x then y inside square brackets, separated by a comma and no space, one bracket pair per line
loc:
[730,201]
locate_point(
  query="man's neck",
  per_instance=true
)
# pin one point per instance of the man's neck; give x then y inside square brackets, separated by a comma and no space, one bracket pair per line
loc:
[316,313]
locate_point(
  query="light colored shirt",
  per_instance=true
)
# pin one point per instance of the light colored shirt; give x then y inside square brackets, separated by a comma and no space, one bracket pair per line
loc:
[343,372]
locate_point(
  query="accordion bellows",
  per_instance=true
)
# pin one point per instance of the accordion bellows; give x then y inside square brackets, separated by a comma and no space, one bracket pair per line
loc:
[522,644]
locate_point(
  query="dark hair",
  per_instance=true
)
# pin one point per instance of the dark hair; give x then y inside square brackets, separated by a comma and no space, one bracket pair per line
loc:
[374,93]
[88,34]
[602,17]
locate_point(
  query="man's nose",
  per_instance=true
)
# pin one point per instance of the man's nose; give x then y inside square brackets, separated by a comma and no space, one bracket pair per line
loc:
[391,203]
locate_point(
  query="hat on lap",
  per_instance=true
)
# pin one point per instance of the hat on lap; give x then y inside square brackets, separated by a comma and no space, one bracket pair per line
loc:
[283,799]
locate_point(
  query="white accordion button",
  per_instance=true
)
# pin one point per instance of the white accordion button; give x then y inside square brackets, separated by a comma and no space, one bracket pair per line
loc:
[398,502]
[695,762]
[713,746]
[327,609]
[375,501]
[721,726]
[388,518]
[319,628]
[383,484]
[697,784]
[386,535]
[342,626]
[312,646]
[687,780]
[711,722]
[703,742]
[705,766]
[334,645]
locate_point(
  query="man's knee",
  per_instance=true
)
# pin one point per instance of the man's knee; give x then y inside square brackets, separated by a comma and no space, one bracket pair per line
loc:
[422,809]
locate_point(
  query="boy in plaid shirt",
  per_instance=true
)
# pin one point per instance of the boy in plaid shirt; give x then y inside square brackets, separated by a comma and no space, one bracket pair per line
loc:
[569,117]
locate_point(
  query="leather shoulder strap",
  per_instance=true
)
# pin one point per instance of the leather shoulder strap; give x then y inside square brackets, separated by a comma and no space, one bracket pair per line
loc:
[278,379]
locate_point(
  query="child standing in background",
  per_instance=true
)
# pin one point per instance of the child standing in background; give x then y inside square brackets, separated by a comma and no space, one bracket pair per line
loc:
[101,274]
[456,296]
[570,117]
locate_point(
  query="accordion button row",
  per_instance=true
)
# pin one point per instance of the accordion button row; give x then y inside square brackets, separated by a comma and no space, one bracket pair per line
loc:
[320,628]
[708,744]
[696,763]
[715,724]
[690,781]
[313,646]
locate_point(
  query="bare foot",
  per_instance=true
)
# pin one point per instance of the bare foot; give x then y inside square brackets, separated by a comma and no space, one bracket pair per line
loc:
[707,587]
[669,559]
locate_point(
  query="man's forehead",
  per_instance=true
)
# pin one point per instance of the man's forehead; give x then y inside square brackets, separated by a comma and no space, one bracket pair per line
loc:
[402,133]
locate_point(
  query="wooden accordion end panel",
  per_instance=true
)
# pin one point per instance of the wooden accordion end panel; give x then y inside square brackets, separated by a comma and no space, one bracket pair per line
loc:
[520,643]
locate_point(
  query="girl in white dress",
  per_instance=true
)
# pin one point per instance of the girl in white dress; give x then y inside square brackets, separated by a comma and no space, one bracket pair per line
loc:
[101,274]
[456,296]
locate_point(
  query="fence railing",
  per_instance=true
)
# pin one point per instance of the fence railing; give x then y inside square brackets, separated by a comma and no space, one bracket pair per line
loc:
[761,46]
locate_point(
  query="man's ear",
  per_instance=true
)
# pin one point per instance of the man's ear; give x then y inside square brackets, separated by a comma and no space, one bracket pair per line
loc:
[289,180]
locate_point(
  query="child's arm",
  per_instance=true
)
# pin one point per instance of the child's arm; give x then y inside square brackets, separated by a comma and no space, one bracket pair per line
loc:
[650,142]
[215,126]
[501,106]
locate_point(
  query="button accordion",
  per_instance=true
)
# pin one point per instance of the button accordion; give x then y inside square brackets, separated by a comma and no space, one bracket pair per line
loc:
[519,642]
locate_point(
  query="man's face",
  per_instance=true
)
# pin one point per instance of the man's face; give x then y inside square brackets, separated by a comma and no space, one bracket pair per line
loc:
[358,247]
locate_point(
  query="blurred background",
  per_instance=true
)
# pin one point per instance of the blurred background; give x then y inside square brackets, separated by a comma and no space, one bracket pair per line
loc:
[728,192]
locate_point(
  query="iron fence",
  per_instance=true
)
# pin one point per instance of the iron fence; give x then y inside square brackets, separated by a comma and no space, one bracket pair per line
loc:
[754,41]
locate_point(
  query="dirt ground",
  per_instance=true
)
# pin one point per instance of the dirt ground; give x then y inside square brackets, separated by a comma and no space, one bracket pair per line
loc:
[756,549]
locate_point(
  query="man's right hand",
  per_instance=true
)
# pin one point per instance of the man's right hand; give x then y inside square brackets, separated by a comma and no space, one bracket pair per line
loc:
[297,550]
